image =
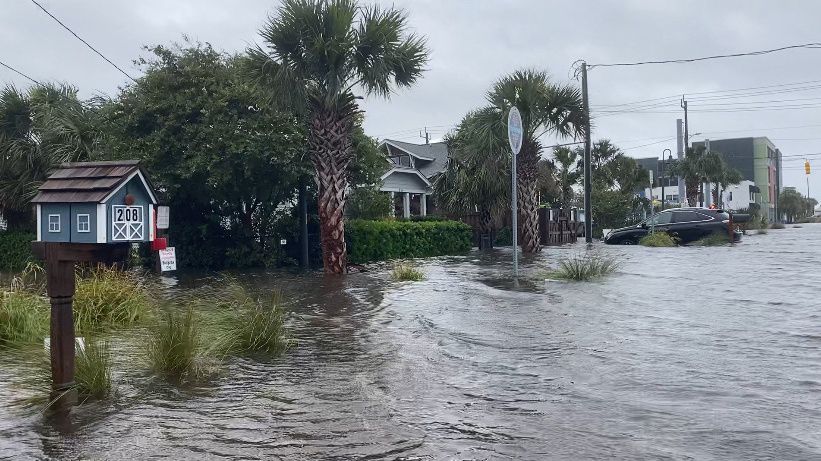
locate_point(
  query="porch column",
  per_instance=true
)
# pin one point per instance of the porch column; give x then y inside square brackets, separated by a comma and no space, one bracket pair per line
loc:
[393,204]
[406,204]
[423,204]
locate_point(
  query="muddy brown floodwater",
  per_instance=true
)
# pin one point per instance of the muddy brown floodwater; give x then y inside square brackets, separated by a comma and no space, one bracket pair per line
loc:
[685,353]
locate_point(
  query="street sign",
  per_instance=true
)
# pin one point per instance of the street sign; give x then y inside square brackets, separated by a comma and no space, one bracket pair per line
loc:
[514,130]
[168,259]
[163,214]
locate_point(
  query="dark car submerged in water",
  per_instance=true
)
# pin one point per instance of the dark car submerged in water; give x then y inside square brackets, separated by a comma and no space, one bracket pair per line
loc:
[686,224]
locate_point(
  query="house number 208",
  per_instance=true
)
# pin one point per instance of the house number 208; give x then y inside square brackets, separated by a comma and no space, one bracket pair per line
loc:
[127,214]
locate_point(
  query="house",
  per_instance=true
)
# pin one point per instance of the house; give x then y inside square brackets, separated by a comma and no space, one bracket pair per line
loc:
[96,202]
[409,179]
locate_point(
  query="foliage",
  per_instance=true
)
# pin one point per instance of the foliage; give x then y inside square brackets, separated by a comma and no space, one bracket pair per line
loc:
[317,53]
[584,267]
[175,347]
[568,174]
[108,297]
[714,239]
[612,209]
[383,240]
[92,375]
[547,184]
[223,161]
[405,272]
[250,324]
[700,166]
[24,318]
[39,129]
[504,237]
[795,206]
[369,203]
[15,250]
[658,239]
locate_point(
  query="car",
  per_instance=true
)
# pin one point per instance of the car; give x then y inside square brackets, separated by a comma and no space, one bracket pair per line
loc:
[686,224]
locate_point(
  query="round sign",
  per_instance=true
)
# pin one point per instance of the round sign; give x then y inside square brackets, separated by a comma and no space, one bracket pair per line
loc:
[514,130]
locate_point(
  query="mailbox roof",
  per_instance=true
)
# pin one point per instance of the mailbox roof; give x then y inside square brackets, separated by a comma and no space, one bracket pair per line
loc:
[89,182]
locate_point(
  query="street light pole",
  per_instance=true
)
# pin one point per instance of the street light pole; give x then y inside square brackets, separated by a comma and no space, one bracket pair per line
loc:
[663,160]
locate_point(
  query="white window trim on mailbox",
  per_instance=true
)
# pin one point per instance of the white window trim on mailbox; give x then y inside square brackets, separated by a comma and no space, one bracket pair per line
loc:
[87,223]
[56,228]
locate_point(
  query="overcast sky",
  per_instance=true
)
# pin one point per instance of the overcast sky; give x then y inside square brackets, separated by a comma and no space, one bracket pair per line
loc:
[474,42]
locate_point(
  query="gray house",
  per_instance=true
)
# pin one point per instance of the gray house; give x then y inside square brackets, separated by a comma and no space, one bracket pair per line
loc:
[413,167]
[96,202]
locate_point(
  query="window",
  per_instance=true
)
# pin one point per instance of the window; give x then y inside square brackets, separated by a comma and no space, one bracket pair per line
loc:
[689,216]
[660,218]
[83,223]
[54,223]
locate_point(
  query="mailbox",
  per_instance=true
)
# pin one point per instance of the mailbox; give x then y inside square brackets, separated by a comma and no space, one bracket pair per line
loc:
[96,202]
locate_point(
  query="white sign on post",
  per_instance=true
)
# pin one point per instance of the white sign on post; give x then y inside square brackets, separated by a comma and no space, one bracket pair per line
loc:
[515,133]
[168,259]
[163,213]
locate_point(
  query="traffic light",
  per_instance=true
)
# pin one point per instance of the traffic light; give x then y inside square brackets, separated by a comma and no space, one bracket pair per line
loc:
[807,166]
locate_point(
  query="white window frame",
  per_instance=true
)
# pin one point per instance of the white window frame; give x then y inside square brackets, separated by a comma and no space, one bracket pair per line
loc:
[87,223]
[56,229]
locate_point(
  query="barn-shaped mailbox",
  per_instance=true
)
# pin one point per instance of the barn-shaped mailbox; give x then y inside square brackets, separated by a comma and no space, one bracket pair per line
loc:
[96,202]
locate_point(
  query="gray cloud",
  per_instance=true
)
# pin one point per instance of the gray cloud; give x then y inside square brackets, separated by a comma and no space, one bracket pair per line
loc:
[475,42]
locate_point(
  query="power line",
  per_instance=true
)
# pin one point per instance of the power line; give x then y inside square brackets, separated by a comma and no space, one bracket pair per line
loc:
[811,45]
[85,42]
[18,72]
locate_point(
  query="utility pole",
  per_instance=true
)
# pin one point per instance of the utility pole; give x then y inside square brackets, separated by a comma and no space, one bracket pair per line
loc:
[686,126]
[663,174]
[588,187]
[426,135]
[703,192]
[303,225]
[682,192]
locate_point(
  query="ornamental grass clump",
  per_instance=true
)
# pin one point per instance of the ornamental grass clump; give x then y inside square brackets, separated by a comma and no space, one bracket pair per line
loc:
[24,318]
[92,371]
[584,267]
[761,231]
[175,347]
[405,272]
[250,324]
[714,239]
[777,225]
[107,297]
[658,239]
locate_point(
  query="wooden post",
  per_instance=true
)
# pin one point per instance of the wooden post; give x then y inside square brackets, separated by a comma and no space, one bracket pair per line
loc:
[60,288]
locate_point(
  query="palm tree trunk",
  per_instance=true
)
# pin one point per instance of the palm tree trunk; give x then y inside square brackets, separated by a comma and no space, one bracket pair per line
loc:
[692,191]
[528,169]
[331,152]
[485,226]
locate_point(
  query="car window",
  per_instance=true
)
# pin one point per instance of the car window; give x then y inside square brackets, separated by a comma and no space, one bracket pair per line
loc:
[689,216]
[660,218]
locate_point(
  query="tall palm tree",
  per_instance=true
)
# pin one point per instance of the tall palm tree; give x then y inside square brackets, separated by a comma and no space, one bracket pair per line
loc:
[568,174]
[318,53]
[476,178]
[691,169]
[546,108]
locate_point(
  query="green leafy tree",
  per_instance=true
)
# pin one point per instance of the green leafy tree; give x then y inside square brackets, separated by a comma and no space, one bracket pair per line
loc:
[567,173]
[547,184]
[225,162]
[317,54]
[39,129]
[477,176]
[792,204]
[691,169]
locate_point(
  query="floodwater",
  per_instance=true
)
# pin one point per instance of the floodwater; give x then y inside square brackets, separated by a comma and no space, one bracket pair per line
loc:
[685,353]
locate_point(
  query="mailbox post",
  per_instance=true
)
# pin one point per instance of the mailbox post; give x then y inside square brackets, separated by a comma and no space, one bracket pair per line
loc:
[86,212]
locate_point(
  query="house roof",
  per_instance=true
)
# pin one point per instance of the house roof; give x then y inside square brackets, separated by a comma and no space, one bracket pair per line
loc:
[408,170]
[89,182]
[434,156]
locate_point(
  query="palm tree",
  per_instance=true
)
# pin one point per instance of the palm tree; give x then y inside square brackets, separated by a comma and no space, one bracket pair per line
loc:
[546,108]
[567,173]
[691,169]
[476,178]
[39,129]
[319,52]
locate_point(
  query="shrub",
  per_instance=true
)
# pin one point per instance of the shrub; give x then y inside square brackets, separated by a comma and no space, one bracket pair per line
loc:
[504,237]
[777,225]
[109,297]
[24,318]
[584,267]
[658,239]
[175,347]
[382,240]
[406,272]
[368,203]
[251,324]
[92,367]
[15,250]
[714,239]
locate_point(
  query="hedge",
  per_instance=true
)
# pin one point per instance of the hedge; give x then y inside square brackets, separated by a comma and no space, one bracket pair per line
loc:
[381,240]
[15,250]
